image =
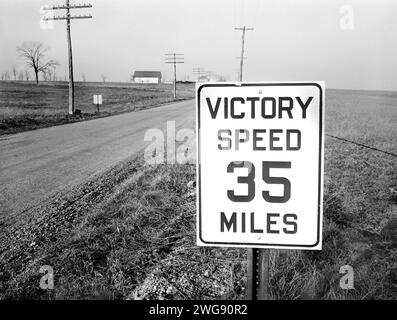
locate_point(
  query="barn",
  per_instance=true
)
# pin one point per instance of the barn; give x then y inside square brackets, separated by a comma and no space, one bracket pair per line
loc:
[146,77]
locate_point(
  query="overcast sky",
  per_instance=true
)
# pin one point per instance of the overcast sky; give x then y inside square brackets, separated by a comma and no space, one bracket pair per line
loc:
[292,40]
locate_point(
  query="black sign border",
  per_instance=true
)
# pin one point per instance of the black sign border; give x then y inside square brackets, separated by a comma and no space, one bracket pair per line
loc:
[320,157]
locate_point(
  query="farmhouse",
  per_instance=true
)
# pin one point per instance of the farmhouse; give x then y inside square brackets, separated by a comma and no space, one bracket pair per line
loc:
[146,77]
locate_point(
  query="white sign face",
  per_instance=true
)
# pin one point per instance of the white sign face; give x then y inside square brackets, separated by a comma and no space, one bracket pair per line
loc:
[97,99]
[260,165]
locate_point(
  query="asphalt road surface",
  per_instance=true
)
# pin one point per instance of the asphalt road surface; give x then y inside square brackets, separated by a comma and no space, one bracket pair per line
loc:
[36,164]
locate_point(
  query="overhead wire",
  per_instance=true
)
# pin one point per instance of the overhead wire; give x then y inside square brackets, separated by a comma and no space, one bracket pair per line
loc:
[362,145]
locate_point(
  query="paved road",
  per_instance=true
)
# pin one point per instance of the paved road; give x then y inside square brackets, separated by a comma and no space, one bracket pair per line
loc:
[35,164]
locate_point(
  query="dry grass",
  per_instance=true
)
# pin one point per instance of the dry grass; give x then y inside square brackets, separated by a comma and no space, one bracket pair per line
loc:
[360,206]
[135,241]
[26,106]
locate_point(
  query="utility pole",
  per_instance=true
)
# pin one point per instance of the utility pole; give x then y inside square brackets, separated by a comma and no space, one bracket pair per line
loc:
[174,58]
[69,17]
[242,48]
[258,259]
[198,72]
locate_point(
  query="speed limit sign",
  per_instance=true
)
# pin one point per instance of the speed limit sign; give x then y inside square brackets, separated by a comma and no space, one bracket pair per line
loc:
[260,164]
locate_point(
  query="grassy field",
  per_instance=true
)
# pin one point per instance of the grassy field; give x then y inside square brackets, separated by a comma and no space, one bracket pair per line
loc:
[130,233]
[26,106]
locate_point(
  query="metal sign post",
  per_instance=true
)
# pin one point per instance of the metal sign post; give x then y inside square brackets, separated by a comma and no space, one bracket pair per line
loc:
[258,287]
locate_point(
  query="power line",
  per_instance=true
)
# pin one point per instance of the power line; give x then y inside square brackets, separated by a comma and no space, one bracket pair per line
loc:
[69,17]
[211,75]
[174,58]
[244,28]
[73,6]
[362,145]
[198,72]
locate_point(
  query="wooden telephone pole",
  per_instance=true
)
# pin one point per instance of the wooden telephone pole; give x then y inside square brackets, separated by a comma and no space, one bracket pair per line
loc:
[242,49]
[198,72]
[258,259]
[174,58]
[69,17]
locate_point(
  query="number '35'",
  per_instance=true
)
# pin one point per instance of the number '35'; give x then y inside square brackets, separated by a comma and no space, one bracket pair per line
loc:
[250,181]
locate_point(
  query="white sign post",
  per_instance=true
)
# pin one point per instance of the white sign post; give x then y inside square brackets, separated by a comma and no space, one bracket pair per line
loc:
[260,172]
[97,101]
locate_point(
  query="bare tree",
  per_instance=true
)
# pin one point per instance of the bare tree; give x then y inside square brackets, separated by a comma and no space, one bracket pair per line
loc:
[20,76]
[2,76]
[27,75]
[6,76]
[34,54]
[103,77]
[15,73]
[83,77]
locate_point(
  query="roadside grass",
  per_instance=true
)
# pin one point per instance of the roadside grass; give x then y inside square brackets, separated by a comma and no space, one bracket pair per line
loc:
[130,233]
[360,207]
[26,106]
[136,240]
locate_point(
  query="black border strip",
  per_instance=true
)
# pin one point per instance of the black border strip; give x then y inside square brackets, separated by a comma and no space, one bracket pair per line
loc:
[319,209]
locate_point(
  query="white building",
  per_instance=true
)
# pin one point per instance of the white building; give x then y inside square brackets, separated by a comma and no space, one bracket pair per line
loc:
[146,77]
